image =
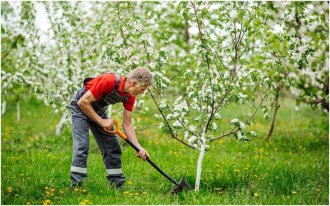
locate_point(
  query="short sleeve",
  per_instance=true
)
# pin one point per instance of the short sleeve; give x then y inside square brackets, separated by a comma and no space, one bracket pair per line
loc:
[129,104]
[102,86]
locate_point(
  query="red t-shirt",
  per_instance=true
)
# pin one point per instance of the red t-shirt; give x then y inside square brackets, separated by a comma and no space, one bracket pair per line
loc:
[104,84]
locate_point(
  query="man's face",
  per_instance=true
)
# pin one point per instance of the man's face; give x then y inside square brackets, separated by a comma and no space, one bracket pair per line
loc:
[137,89]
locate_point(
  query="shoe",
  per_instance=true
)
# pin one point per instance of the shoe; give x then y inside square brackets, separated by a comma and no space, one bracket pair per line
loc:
[116,185]
[76,185]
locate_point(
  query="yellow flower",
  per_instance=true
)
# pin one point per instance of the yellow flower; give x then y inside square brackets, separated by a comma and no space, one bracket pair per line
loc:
[318,190]
[137,194]
[47,202]
[126,193]
[144,193]
[256,194]
[9,189]
[217,166]
[84,190]
[28,203]
[85,202]
[76,189]
[129,182]
[294,192]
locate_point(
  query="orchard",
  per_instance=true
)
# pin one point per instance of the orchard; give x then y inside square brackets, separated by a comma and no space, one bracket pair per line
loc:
[231,80]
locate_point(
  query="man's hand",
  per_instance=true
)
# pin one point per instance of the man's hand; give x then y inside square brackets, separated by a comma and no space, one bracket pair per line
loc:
[143,154]
[108,125]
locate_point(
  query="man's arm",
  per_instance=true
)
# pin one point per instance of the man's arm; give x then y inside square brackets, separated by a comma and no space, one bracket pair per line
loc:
[130,133]
[85,103]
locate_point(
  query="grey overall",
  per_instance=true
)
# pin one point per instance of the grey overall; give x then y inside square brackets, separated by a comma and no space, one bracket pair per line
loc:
[109,145]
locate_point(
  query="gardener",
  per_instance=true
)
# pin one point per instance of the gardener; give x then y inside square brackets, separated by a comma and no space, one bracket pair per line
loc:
[88,108]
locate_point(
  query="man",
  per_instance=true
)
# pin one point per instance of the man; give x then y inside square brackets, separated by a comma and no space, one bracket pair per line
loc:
[88,108]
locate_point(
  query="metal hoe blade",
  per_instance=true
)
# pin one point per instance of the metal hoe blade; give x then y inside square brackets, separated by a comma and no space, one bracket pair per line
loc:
[183,184]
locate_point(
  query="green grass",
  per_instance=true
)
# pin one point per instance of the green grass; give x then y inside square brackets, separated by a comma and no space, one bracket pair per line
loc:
[291,168]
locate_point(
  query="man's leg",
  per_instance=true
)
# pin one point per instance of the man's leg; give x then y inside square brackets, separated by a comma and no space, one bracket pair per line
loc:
[111,152]
[80,129]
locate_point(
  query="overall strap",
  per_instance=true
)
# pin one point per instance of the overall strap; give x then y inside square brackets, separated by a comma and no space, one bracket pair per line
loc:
[117,81]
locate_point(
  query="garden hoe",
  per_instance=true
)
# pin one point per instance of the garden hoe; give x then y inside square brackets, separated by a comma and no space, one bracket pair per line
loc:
[179,186]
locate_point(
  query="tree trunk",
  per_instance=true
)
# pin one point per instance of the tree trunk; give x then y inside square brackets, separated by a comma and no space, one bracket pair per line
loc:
[199,166]
[60,125]
[186,35]
[18,117]
[3,108]
[277,106]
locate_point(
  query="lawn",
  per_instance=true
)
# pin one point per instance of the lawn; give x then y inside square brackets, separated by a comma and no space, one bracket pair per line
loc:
[291,168]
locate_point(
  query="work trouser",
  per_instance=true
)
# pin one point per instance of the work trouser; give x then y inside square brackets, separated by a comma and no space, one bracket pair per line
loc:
[108,144]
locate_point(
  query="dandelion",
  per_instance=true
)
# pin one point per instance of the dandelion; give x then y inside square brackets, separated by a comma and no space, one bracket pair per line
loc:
[294,192]
[256,194]
[76,189]
[85,202]
[28,203]
[129,182]
[217,166]
[137,194]
[125,193]
[144,193]
[84,190]
[47,202]
[9,189]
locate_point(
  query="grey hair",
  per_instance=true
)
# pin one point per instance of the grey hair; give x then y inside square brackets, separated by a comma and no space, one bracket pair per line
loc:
[142,75]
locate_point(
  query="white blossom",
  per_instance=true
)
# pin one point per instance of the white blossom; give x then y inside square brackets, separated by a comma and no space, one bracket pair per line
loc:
[163,104]
[192,128]
[233,14]
[217,116]
[253,133]
[177,124]
[214,126]
[192,139]
[234,121]
[239,135]
[242,125]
